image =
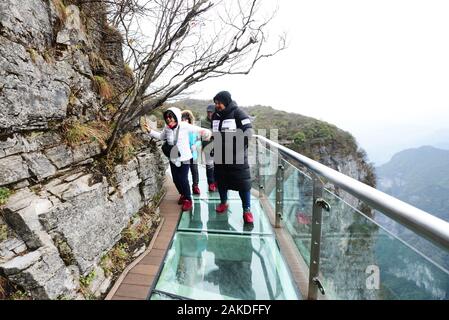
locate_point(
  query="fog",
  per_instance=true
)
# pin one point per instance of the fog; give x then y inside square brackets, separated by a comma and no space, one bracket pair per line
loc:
[378,69]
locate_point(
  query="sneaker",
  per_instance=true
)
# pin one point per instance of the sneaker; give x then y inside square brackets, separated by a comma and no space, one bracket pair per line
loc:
[187,205]
[181,199]
[195,189]
[222,207]
[213,187]
[248,217]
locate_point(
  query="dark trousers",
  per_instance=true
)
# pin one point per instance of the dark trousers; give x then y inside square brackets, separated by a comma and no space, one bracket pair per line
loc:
[210,173]
[181,179]
[245,196]
[194,170]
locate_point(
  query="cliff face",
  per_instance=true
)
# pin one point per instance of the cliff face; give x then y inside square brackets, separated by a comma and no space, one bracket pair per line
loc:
[348,238]
[60,216]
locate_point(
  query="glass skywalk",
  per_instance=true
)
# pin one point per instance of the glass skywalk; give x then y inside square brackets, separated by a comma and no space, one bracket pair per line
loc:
[333,239]
[216,257]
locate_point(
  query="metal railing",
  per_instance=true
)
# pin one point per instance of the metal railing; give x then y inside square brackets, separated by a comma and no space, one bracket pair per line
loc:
[422,223]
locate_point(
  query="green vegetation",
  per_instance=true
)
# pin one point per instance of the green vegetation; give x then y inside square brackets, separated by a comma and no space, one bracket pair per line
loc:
[116,260]
[111,31]
[33,54]
[315,134]
[130,234]
[103,87]
[10,291]
[72,99]
[98,63]
[76,133]
[37,189]
[142,228]
[49,55]
[158,197]
[5,193]
[65,251]
[3,232]
[299,138]
[111,108]
[3,285]
[60,9]
[129,71]
[134,236]
[127,147]
[20,295]
[87,280]
[107,264]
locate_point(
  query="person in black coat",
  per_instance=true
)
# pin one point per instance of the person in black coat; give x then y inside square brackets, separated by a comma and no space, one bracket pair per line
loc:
[232,129]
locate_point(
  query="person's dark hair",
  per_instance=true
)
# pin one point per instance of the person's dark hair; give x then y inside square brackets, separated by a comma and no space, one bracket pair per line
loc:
[188,115]
[223,97]
[168,113]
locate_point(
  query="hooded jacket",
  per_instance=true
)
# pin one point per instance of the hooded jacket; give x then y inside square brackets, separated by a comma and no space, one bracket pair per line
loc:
[183,142]
[194,139]
[207,124]
[231,130]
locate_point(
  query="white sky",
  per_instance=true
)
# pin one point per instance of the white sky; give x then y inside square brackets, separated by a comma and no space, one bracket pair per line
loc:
[378,69]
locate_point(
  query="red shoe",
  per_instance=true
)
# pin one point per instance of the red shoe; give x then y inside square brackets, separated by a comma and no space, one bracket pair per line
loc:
[181,199]
[222,207]
[195,189]
[248,217]
[213,187]
[187,205]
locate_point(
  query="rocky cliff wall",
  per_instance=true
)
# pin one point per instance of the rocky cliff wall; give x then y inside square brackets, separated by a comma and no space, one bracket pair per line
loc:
[60,216]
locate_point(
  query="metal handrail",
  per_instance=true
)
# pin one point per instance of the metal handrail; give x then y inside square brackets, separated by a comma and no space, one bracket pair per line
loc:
[423,223]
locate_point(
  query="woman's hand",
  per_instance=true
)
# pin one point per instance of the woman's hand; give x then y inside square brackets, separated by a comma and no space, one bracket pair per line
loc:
[147,128]
[206,134]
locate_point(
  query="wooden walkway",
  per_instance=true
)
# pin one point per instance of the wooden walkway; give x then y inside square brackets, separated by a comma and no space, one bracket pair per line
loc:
[137,279]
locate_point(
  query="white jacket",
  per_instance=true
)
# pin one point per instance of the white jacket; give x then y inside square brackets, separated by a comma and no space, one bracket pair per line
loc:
[183,137]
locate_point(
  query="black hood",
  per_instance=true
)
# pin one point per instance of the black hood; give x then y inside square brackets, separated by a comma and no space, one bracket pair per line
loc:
[223,97]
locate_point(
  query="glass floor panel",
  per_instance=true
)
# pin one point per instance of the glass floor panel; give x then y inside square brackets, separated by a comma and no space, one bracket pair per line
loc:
[204,218]
[225,267]
[204,187]
[205,194]
[161,296]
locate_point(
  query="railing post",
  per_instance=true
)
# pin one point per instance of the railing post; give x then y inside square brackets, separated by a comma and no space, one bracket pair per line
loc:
[258,175]
[315,247]
[279,195]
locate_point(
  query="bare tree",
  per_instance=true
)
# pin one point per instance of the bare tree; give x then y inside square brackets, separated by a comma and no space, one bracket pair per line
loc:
[189,41]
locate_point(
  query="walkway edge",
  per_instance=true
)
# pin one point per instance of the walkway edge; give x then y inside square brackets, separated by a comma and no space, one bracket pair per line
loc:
[125,272]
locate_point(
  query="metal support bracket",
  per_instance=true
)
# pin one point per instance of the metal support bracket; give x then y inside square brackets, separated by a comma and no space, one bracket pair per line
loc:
[323,204]
[279,195]
[318,283]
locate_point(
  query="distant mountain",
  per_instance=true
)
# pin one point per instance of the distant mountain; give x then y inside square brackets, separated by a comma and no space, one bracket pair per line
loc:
[420,177]
[318,140]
